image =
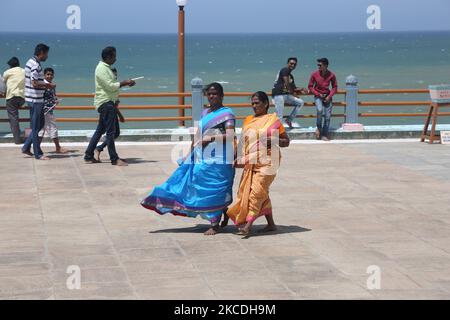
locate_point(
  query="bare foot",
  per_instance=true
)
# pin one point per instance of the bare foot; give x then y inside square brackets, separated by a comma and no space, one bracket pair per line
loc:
[225,221]
[268,228]
[212,231]
[62,151]
[28,153]
[244,232]
[120,163]
[97,155]
[44,158]
[317,133]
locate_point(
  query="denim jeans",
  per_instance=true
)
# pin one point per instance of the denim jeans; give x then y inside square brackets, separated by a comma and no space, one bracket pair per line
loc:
[106,123]
[37,121]
[324,111]
[290,100]
[104,144]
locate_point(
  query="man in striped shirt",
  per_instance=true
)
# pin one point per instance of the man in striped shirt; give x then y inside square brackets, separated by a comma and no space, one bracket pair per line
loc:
[34,96]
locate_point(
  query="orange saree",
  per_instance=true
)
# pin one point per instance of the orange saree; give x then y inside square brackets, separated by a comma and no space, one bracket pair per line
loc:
[261,162]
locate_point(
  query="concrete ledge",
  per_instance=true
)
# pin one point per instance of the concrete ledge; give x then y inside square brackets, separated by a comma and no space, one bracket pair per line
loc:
[165,135]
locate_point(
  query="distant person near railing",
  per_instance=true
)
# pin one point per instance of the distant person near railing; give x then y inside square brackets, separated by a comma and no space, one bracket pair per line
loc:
[319,85]
[283,92]
[14,79]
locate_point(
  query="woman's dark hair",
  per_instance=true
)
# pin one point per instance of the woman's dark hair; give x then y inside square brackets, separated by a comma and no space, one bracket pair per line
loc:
[49,70]
[216,86]
[13,62]
[263,97]
[108,52]
[292,58]
[41,48]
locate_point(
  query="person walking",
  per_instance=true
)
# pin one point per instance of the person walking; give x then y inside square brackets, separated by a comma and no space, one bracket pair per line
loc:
[34,96]
[262,137]
[106,94]
[203,183]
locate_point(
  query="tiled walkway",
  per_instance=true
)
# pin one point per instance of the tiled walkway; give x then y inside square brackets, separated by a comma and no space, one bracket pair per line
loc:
[340,209]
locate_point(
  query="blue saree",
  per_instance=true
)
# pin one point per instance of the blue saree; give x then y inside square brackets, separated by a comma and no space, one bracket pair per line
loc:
[203,183]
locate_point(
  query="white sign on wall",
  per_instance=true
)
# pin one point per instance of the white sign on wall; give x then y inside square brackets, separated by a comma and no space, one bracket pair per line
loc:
[445,137]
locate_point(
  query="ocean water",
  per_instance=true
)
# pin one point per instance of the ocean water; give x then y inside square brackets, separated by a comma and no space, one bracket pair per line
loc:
[242,62]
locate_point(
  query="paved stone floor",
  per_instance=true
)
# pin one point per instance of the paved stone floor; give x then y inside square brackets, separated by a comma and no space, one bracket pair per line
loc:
[340,209]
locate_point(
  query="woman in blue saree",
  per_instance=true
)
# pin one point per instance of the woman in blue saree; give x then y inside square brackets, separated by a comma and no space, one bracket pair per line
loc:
[203,183]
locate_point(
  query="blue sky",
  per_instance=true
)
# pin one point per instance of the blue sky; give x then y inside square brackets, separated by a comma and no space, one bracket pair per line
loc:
[225,16]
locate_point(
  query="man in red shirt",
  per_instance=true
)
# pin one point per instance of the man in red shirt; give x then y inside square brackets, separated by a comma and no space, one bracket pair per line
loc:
[319,85]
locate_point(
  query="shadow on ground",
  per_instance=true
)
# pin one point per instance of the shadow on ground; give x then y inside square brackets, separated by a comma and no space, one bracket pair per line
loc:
[68,154]
[139,160]
[201,228]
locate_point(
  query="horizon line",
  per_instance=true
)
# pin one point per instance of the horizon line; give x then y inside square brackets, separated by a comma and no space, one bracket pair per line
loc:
[74,32]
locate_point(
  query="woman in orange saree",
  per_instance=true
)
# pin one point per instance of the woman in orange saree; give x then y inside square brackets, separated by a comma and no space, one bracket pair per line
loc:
[261,139]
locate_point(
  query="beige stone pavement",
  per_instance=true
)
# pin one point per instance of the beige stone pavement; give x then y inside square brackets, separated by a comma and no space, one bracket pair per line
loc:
[340,209]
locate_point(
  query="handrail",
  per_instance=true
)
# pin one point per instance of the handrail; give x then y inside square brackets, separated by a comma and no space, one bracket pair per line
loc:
[129,95]
[240,105]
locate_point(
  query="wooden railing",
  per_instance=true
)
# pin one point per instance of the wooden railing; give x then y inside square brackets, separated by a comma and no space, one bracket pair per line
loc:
[337,103]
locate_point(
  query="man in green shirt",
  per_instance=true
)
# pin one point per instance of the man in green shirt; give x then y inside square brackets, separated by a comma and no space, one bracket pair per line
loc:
[106,95]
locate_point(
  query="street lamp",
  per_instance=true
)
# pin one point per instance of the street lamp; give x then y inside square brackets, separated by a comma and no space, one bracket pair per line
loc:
[181,101]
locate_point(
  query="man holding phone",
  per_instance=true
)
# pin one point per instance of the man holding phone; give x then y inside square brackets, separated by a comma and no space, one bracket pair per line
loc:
[106,94]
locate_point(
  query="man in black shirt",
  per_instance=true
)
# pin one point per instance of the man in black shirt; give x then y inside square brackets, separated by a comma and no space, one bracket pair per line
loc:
[283,92]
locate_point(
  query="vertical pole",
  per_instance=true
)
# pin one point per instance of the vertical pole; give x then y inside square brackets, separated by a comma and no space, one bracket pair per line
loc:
[181,59]
[197,100]
[351,98]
